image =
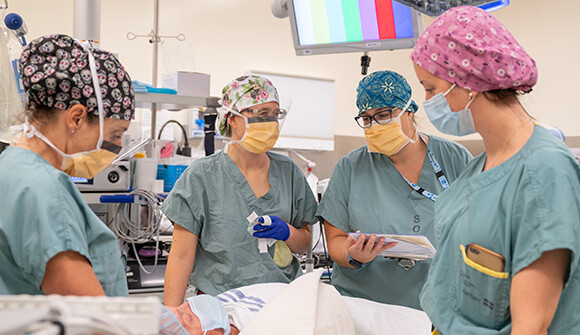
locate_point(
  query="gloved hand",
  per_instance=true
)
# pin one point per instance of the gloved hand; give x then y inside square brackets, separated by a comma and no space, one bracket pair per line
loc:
[278,230]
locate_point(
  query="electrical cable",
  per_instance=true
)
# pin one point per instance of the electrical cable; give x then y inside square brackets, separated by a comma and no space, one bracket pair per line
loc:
[131,232]
[326,256]
[185,149]
[309,165]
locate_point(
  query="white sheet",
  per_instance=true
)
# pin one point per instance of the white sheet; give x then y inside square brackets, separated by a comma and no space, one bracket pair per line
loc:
[368,317]
[303,307]
[371,317]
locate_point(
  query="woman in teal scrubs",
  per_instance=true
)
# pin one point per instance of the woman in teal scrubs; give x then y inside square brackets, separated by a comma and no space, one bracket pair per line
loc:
[520,200]
[50,240]
[215,244]
[388,186]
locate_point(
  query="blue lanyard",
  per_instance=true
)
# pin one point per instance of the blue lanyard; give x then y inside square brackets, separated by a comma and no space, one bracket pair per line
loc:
[438,173]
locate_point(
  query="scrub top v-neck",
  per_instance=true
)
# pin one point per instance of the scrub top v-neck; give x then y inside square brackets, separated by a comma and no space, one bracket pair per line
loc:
[519,209]
[366,192]
[212,199]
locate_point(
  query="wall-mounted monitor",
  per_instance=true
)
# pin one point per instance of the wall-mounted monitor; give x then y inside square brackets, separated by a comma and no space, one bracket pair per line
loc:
[338,26]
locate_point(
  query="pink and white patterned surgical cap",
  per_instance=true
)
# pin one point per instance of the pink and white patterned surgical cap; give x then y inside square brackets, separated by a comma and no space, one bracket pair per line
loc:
[472,49]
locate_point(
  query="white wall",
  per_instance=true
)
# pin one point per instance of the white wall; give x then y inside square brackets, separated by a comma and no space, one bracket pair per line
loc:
[229,37]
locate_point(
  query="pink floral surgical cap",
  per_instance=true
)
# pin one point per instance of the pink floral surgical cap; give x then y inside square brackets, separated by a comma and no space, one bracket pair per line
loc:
[244,92]
[472,49]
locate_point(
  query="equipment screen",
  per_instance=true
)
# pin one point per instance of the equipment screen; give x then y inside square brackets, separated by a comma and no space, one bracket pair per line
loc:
[79,180]
[338,26]
[342,21]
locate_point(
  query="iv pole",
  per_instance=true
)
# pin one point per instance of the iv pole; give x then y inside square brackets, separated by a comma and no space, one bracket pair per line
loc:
[155,39]
[87,21]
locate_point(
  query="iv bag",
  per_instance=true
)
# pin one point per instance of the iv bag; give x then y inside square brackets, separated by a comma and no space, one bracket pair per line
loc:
[11,103]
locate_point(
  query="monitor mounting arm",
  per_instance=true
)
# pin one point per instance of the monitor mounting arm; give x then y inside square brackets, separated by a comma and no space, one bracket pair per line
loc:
[365,61]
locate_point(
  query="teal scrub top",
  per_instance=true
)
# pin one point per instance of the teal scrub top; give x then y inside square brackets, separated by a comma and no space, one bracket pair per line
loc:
[367,193]
[42,213]
[521,208]
[212,199]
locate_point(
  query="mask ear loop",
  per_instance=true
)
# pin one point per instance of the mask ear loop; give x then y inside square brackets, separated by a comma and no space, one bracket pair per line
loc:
[471,98]
[231,110]
[404,110]
[245,132]
[449,90]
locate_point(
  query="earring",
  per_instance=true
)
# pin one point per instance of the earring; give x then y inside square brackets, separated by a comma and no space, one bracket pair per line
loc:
[470,95]
[72,131]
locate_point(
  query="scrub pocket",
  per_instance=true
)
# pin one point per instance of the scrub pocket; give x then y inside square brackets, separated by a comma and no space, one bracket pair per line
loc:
[482,294]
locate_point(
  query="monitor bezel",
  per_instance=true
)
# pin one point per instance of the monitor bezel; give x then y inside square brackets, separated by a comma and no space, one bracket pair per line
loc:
[363,46]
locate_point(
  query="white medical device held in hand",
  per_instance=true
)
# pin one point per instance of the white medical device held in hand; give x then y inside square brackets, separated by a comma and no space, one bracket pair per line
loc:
[263,243]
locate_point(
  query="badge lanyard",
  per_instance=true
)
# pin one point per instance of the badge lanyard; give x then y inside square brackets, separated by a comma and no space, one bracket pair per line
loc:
[438,173]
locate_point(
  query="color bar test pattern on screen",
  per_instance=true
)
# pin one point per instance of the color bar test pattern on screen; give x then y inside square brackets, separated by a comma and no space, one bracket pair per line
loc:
[341,21]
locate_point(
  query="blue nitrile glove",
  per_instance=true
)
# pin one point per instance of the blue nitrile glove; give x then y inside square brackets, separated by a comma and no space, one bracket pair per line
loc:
[278,230]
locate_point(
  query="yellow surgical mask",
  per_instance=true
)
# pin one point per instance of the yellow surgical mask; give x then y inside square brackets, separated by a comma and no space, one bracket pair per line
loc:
[90,164]
[260,136]
[388,138]
[82,164]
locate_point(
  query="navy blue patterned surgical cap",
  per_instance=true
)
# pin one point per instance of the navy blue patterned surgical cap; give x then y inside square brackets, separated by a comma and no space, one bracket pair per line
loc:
[384,89]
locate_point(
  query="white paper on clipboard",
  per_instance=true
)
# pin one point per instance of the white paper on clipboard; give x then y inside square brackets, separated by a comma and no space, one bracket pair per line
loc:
[416,247]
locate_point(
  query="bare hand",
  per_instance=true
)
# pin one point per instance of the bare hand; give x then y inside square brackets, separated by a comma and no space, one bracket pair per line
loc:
[363,250]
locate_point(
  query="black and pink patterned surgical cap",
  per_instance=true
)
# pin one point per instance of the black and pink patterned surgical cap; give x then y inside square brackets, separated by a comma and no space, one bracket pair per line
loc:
[56,74]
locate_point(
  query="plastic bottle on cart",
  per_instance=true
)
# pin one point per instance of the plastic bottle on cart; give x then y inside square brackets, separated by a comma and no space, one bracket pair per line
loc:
[11,88]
